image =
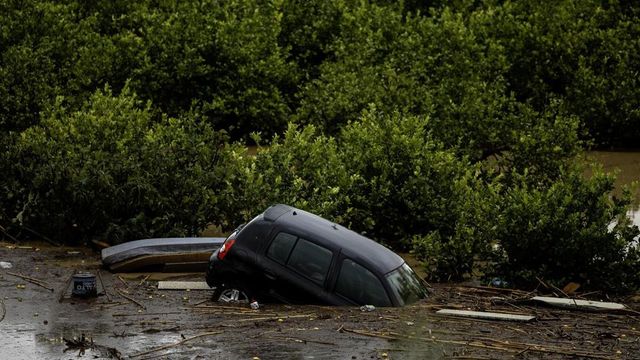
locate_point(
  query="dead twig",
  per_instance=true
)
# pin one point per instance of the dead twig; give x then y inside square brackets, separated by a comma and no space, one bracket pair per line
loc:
[552,288]
[201,302]
[4,231]
[131,299]
[148,314]
[523,351]
[144,279]
[64,289]
[123,282]
[165,347]
[302,341]
[485,343]
[106,306]
[104,289]
[4,310]
[54,243]
[31,280]
[275,318]
[83,344]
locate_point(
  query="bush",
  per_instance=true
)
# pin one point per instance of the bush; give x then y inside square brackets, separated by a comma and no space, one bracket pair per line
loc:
[437,67]
[405,183]
[109,171]
[302,169]
[586,52]
[571,230]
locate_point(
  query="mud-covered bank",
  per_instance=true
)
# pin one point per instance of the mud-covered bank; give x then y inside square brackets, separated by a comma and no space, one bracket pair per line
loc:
[141,322]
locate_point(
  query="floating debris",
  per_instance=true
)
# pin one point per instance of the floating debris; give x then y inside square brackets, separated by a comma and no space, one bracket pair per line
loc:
[579,304]
[486,315]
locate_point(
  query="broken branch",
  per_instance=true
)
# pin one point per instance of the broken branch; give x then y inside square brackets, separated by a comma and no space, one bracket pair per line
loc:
[103,288]
[4,231]
[131,299]
[165,347]
[31,280]
[4,310]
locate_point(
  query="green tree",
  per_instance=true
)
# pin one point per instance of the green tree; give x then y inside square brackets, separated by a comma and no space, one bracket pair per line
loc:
[110,171]
[571,230]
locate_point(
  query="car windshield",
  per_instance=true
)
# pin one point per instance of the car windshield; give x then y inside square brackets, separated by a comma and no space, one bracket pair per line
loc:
[406,285]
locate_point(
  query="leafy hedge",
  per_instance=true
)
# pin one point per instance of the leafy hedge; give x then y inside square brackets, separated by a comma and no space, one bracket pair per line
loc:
[111,171]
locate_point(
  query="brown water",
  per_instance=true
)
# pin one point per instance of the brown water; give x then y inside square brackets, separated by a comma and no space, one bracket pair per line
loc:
[627,166]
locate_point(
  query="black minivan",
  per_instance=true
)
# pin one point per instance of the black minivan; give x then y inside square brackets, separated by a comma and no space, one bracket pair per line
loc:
[292,256]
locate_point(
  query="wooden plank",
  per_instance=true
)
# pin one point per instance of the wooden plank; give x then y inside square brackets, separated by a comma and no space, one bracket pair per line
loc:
[486,315]
[579,304]
[183,285]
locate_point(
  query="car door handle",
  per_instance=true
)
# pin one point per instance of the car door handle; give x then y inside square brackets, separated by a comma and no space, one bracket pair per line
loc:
[269,275]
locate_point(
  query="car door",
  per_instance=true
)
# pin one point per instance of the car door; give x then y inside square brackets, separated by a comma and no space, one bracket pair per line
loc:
[358,285]
[296,269]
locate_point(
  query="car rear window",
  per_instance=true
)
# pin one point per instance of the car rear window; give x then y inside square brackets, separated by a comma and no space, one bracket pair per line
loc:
[406,285]
[310,260]
[280,247]
[360,285]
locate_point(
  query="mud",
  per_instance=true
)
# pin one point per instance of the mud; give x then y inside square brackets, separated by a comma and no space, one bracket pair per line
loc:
[138,321]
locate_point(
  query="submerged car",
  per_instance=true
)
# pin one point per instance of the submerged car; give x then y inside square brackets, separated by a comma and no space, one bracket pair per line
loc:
[292,256]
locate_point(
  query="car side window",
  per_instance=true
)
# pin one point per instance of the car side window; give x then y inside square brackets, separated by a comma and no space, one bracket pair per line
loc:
[281,246]
[360,285]
[310,260]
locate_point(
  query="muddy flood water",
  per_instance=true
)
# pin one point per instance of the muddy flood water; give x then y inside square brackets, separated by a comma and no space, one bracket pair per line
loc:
[132,319]
[626,164]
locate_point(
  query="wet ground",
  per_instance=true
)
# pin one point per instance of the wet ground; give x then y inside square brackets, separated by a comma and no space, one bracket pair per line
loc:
[132,319]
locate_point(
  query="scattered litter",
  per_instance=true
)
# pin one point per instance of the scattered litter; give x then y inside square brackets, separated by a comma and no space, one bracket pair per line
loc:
[570,288]
[83,344]
[254,305]
[497,282]
[5,265]
[367,308]
[183,285]
[579,304]
[486,315]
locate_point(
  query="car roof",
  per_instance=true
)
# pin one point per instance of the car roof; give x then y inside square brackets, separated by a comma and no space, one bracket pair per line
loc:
[360,248]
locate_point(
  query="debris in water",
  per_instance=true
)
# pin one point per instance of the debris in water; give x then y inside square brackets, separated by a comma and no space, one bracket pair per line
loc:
[486,315]
[183,285]
[5,265]
[31,280]
[84,285]
[83,344]
[579,304]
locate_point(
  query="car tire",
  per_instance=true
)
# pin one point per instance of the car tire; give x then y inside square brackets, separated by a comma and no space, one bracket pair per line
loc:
[231,295]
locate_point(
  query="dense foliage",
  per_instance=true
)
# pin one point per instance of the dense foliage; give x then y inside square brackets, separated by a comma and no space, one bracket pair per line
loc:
[449,128]
[109,170]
